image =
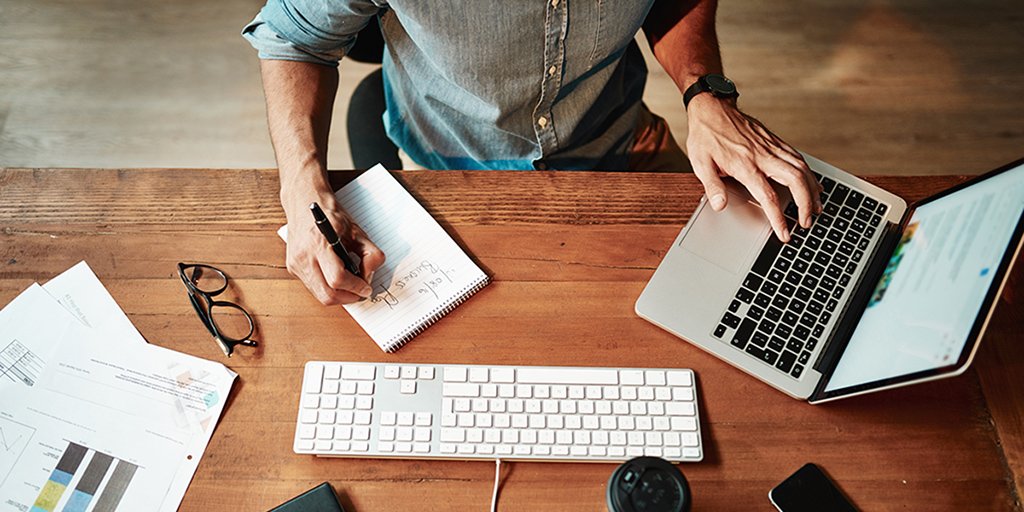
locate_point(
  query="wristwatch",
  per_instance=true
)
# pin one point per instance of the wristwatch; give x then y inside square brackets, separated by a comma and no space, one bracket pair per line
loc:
[718,85]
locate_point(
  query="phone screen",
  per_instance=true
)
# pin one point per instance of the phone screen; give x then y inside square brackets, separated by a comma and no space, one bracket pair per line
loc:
[809,490]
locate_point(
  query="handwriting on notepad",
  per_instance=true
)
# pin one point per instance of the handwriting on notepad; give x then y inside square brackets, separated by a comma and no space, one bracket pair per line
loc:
[425,278]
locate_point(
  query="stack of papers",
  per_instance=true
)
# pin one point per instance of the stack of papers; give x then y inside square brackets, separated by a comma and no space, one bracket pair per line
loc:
[93,418]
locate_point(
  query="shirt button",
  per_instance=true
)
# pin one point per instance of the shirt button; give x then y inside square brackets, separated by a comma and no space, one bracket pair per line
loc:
[551,71]
[542,122]
[542,166]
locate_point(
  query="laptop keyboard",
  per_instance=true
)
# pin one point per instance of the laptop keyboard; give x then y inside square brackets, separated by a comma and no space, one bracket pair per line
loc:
[780,311]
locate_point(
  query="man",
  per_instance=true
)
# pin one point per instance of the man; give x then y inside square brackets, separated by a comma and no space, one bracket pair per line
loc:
[509,85]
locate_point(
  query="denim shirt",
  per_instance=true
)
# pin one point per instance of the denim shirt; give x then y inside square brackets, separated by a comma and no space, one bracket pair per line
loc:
[486,84]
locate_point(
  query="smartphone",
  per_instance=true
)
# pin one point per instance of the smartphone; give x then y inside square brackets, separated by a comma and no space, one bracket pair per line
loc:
[809,490]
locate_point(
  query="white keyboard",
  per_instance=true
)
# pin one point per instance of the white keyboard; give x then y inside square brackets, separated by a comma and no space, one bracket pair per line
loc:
[508,412]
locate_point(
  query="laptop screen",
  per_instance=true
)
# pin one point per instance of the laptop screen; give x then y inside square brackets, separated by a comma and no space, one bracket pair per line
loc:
[923,309]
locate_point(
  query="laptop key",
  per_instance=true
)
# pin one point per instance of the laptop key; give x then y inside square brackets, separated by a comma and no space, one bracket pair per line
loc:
[858,225]
[731,320]
[786,360]
[801,332]
[811,343]
[870,203]
[774,314]
[881,208]
[818,329]
[803,294]
[780,302]
[830,306]
[841,224]
[755,313]
[846,248]
[854,199]
[875,220]
[795,345]
[825,220]
[796,306]
[846,213]
[828,184]
[775,276]
[840,193]
[838,292]
[835,236]
[776,344]
[851,268]
[813,243]
[829,247]
[822,258]
[797,371]
[808,320]
[734,306]
[760,339]
[830,208]
[869,232]
[819,231]
[787,290]
[719,331]
[745,295]
[816,270]
[800,266]
[782,264]
[762,300]
[852,237]
[743,333]
[814,307]
[810,281]
[833,271]
[764,260]
[753,281]
[806,254]
[863,244]
[828,283]
[793,278]
[766,326]
[769,288]
[790,318]
[864,215]
[783,331]
[840,259]
[804,357]
[857,255]
[820,295]
[788,252]
[825,317]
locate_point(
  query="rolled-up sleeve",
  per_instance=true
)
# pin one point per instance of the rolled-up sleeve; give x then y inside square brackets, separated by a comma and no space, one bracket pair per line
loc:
[315,31]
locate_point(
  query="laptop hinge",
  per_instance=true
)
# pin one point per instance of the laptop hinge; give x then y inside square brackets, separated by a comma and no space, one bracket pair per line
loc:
[851,314]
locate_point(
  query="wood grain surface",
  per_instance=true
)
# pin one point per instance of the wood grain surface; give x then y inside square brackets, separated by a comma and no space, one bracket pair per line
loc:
[569,253]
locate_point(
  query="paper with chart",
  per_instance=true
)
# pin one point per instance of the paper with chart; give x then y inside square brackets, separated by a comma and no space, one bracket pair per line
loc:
[111,429]
[30,326]
[426,273]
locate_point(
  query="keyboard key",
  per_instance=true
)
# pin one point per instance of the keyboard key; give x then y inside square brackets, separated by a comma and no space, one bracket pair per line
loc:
[768,253]
[775,276]
[753,282]
[759,339]
[869,203]
[743,334]
[769,288]
[734,306]
[796,306]
[358,372]
[828,184]
[803,294]
[762,300]
[775,343]
[840,193]
[719,331]
[864,215]
[797,371]
[774,314]
[755,313]
[575,376]
[745,295]
[786,360]
[854,199]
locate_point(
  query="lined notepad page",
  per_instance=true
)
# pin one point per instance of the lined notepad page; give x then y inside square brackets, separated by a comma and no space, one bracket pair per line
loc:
[426,274]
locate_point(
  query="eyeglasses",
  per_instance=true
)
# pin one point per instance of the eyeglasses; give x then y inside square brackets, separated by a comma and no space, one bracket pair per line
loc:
[229,323]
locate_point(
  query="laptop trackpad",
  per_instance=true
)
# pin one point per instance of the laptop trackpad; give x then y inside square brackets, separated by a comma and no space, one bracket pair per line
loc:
[731,238]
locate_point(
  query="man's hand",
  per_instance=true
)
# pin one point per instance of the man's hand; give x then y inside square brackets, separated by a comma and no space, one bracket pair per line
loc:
[313,261]
[723,141]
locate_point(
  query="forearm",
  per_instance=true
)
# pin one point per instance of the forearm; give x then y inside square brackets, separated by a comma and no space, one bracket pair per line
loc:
[300,97]
[682,36]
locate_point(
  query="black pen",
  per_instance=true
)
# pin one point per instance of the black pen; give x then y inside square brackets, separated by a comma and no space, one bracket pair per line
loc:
[325,227]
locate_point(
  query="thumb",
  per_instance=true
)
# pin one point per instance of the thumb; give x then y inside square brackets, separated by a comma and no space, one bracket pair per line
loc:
[707,173]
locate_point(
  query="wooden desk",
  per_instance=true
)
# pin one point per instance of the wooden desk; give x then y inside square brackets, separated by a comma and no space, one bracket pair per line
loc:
[569,253]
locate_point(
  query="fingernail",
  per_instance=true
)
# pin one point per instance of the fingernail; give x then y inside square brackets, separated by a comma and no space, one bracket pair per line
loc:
[718,201]
[369,278]
[785,234]
[365,291]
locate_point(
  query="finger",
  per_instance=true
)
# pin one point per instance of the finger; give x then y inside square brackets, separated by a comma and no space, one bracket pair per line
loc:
[309,273]
[797,160]
[337,277]
[788,175]
[766,197]
[707,173]
[372,256]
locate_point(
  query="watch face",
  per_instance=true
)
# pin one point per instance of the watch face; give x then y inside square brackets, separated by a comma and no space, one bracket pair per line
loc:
[720,85]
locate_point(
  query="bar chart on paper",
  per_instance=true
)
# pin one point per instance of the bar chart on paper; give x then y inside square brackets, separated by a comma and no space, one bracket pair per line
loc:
[85,479]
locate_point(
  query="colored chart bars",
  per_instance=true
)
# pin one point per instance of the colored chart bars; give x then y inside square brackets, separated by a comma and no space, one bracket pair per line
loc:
[88,483]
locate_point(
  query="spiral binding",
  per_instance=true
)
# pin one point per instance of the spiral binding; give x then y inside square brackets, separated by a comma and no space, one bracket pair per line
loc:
[434,315]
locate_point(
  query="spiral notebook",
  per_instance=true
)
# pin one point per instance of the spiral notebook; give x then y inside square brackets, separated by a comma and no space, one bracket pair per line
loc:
[426,274]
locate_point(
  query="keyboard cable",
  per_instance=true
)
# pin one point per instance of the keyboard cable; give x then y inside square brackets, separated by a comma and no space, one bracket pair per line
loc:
[497,475]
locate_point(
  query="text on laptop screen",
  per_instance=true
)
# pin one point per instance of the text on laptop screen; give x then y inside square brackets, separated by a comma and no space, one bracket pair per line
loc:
[925,304]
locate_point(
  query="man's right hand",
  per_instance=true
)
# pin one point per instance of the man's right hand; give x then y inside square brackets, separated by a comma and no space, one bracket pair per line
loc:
[313,261]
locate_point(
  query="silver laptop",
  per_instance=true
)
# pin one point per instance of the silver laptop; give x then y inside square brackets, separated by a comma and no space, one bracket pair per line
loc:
[876,294]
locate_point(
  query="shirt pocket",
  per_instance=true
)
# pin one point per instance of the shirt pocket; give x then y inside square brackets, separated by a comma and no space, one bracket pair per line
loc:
[614,25]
